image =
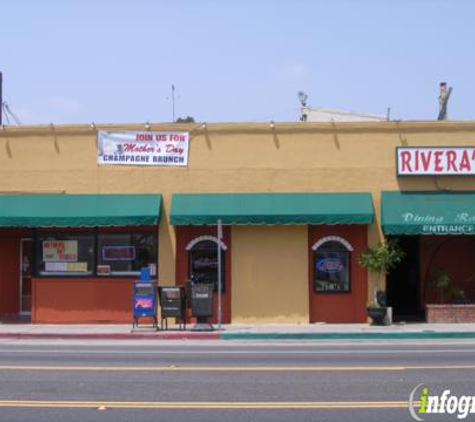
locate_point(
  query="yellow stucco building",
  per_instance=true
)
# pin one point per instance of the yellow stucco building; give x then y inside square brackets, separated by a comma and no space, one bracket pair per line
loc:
[270,267]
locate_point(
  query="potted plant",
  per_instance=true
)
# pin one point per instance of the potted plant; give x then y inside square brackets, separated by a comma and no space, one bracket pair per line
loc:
[381,260]
[458,296]
[377,311]
[442,281]
[448,292]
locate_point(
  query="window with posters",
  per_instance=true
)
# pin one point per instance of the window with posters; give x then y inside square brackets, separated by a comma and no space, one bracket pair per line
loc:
[95,254]
[126,253]
[64,254]
[332,268]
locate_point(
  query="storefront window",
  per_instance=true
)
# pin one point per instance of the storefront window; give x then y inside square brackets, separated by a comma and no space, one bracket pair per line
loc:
[203,259]
[101,254]
[332,268]
[63,254]
[126,254]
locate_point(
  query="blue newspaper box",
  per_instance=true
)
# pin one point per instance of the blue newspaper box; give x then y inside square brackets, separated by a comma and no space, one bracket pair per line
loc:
[145,299]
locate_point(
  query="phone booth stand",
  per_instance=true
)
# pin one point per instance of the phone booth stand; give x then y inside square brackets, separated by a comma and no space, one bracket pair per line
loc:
[145,300]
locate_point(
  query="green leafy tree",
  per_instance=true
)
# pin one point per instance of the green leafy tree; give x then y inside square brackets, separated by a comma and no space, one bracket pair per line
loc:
[442,281]
[383,258]
[187,119]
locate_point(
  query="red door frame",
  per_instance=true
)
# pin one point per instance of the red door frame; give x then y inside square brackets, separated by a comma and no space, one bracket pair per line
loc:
[10,241]
[340,307]
[26,274]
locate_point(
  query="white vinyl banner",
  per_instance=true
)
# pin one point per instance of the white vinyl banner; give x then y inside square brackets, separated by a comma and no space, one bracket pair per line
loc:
[143,148]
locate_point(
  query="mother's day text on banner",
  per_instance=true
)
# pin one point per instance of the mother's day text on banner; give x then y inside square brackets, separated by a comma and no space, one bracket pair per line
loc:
[143,148]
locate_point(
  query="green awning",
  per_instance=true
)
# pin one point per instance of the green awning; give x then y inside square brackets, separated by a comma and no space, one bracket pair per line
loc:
[272,208]
[79,210]
[428,212]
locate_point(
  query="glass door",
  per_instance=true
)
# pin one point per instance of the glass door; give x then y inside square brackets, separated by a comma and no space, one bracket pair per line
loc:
[25,277]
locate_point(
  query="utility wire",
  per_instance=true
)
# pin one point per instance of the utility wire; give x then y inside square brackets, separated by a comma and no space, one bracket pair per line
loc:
[6,115]
[9,113]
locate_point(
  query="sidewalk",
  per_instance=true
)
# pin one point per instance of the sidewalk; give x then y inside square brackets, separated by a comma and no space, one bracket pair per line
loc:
[241,331]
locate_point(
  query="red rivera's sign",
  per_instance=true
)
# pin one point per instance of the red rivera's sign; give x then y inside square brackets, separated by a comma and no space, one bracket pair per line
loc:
[415,161]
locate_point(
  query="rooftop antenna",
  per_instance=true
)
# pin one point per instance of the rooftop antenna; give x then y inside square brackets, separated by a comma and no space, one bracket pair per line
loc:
[444,95]
[172,98]
[173,103]
[303,97]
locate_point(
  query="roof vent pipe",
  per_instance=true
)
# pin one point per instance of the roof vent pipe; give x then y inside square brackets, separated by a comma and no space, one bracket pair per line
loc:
[444,95]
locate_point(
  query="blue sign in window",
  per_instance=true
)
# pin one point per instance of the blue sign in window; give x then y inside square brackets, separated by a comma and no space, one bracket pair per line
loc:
[330,265]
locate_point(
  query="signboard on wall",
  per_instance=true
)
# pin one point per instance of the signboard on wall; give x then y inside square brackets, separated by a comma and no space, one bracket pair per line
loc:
[60,250]
[461,223]
[431,161]
[143,148]
[118,253]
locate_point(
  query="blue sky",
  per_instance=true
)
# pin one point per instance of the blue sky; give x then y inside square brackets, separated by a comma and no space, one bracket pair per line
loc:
[114,61]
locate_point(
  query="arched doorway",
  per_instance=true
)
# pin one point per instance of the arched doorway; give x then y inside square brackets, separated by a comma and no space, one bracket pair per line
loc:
[338,285]
[203,263]
[197,256]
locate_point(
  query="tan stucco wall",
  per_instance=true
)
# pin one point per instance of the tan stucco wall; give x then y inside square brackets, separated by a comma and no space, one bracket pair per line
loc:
[240,157]
[270,274]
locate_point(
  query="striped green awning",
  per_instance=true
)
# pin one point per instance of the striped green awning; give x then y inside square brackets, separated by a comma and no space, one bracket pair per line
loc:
[272,208]
[79,210]
[428,213]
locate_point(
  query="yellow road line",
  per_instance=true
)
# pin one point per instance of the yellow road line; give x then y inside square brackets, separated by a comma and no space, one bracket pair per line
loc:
[441,367]
[229,368]
[206,405]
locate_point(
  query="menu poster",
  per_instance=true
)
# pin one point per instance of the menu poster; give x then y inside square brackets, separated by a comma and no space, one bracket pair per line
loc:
[60,250]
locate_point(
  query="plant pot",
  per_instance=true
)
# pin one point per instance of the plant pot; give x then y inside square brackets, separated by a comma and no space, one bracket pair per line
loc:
[378,315]
[462,301]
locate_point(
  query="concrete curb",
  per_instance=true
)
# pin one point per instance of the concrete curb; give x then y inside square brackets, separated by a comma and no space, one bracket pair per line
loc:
[214,335]
[116,336]
[347,336]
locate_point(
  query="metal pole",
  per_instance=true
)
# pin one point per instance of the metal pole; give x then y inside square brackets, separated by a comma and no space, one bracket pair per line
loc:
[220,236]
[173,103]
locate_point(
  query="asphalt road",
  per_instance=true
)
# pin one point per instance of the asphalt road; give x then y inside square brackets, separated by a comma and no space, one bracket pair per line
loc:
[226,381]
